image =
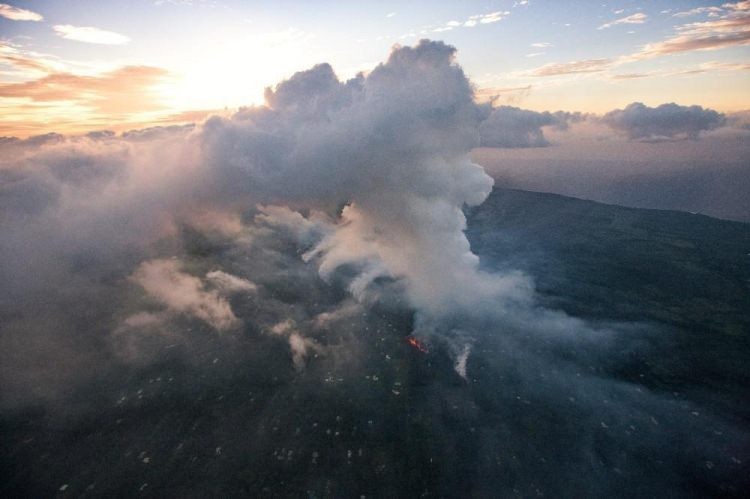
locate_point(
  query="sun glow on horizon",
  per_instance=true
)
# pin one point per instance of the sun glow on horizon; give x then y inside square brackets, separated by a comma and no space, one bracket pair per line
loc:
[75,69]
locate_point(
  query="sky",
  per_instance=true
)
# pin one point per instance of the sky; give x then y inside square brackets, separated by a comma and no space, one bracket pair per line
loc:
[76,66]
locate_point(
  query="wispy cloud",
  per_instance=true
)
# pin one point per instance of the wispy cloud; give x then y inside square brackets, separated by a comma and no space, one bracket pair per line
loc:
[664,122]
[390,14]
[18,14]
[725,66]
[79,102]
[541,45]
[89,34]
[471,22]
[507,95]
[192,116]
[23,61]
[738,6]
[638,18]
[711,11]
[706,67]
[492,17]
[630,76]
[102,89]
[711,67]
[573,67]
[502,90]
[731,29]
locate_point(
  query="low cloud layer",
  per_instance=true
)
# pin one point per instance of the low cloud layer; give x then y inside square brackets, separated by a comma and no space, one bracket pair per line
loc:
[512,127]
[668,121]
[508,126]
[670,156]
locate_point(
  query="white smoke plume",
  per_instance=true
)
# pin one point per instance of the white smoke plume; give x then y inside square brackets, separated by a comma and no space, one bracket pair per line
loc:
[228,283]
[298,344]
[184,293]
[394,148]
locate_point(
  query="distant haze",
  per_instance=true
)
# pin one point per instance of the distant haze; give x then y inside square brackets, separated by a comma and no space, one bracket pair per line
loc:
[709,176]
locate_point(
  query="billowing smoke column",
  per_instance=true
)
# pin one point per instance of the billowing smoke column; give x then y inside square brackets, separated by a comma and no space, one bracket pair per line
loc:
[394,147]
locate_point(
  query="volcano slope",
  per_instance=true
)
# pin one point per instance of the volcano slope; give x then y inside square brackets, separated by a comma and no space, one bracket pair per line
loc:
[657,409]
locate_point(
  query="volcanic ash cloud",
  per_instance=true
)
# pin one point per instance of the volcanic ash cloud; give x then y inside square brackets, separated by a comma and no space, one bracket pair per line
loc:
[393,147]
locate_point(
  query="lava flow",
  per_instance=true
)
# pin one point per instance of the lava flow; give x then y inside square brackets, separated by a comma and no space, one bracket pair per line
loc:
[417,344]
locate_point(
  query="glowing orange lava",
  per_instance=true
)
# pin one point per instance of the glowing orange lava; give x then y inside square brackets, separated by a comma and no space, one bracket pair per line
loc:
[417,344]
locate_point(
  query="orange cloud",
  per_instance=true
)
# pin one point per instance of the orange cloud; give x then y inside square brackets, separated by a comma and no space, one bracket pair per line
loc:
[509,95]
[731,29]
[11,55]
[573,67]
[18,14]
[123,83]
[71,102]
[21,62]
[707,67]
[192,116]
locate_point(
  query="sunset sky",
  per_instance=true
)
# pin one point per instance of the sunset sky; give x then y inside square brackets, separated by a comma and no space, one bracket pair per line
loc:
[75,66]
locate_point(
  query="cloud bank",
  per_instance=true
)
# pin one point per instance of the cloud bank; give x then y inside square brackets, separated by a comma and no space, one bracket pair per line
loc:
[668,121]
[511,127]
